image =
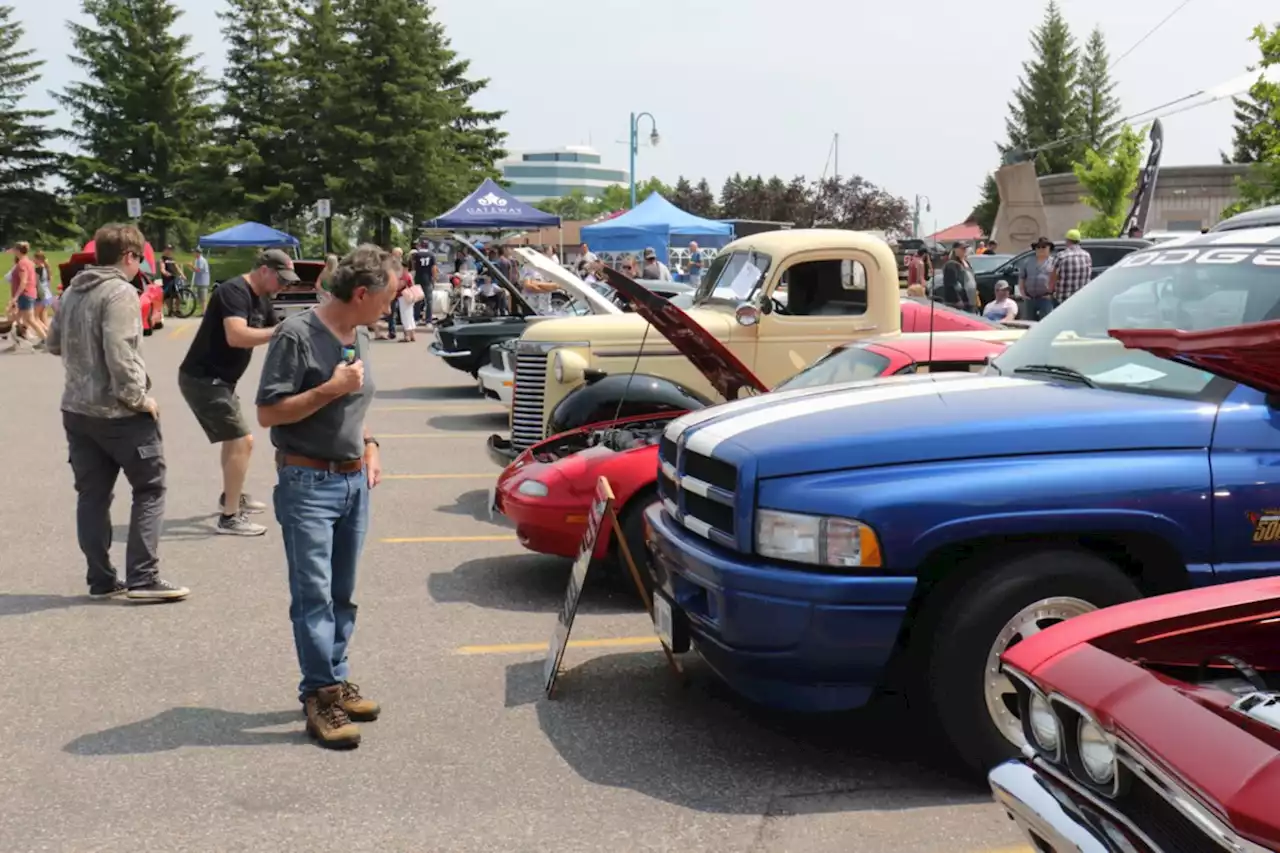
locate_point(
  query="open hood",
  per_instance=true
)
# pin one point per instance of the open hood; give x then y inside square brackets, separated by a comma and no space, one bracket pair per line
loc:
[570,282]
[722,368]
[517,299]
[1248,354]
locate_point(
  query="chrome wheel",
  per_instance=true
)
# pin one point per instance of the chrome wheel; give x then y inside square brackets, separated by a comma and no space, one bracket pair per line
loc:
[1002,699]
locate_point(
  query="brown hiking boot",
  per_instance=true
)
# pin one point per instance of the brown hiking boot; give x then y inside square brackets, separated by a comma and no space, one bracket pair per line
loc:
[327,722]
[358,708]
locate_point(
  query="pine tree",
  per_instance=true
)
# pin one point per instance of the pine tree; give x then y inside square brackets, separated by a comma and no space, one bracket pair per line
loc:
[731,198]
[1046,108]
[316,63]
[682,193]
[255,85]
[703,201]
[409,141]
[1246,147]
[1099,106]
[141,119]
[28,209]
[988,208]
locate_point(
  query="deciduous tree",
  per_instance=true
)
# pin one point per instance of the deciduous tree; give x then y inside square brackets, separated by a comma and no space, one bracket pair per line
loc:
[1261,186]
[1109,182]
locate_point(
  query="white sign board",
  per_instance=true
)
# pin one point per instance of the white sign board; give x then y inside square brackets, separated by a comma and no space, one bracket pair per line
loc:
[323,208]
[134,207]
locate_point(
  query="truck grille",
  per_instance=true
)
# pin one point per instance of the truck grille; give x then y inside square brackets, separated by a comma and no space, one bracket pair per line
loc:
[698,492]
[530,391]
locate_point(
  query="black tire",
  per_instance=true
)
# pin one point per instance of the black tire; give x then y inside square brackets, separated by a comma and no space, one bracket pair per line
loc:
[185,299]
[975,613]
[632,519]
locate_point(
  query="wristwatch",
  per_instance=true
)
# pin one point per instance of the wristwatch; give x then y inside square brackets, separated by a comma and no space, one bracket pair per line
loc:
[368,440]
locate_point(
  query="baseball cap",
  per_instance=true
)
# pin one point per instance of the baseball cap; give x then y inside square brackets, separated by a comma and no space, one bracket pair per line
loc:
[650,253]
[1074,235]
[1002,285]
[274,259]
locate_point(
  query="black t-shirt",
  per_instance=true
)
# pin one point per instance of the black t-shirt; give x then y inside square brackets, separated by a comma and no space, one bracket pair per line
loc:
[423,263]
[168,267]
[210,356]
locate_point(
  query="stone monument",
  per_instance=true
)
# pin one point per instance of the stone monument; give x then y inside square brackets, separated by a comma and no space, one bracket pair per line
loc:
[1022,217]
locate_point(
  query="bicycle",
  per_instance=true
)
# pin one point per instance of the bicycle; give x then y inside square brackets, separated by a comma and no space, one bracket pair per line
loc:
[182,301]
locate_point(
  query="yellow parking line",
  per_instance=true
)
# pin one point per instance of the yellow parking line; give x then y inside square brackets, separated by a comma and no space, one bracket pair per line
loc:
[522,648]
[404,540]
[181,330]
[490,476]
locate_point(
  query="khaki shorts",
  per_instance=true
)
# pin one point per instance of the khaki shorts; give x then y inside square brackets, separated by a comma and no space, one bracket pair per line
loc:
[216,407]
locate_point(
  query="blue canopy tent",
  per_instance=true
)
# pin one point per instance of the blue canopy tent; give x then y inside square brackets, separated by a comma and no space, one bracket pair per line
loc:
[248,234]
[491,208]
[658,223]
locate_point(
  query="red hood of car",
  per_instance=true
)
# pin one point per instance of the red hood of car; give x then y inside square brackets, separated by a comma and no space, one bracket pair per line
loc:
[1248,354]
[726,373]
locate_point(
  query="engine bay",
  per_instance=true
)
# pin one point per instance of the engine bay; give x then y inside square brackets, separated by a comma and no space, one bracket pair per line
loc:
[625,437]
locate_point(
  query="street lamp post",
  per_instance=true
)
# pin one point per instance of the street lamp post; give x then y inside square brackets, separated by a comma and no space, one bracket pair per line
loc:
[635,145]
[915,225]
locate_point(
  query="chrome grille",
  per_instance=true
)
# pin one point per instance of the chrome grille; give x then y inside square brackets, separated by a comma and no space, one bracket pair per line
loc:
[527,424]
[698,492]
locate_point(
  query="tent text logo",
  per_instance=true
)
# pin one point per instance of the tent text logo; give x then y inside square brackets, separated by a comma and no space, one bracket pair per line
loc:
[492,199]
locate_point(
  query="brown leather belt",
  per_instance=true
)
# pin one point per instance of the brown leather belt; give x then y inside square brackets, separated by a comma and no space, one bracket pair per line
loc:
[349,466]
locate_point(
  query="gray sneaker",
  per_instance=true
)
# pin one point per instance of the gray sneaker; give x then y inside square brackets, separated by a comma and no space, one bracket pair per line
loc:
[239,525]
[247,504]
[157,590]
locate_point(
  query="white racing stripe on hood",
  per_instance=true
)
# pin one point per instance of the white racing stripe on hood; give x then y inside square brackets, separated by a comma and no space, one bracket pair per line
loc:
[694,418]
[706,440]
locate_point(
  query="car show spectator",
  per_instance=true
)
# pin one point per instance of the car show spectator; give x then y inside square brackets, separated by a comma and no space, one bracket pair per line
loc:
[957,276]
[652,268]
[1072,269]
[585,259]
[111,420]
[325,279]
[314,393]
[44,288]
[696,264]
[200,278]
[1001,308]
[26,292]
[240,317]
[1035,280]
[919,267]
[404,302]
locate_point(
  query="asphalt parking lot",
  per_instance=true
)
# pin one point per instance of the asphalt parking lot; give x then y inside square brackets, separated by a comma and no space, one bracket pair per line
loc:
[167,727]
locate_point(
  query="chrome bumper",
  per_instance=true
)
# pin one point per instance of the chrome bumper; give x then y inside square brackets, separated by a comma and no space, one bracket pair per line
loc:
[501,453]
[1059,818]
[434,349]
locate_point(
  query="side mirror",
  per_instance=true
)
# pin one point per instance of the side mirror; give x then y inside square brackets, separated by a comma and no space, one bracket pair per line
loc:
[766,306]
[747,315]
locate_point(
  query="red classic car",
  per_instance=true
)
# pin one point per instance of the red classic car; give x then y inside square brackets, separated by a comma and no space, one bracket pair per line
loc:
[546,490]
[917,314]
[150,294]
[1155,725]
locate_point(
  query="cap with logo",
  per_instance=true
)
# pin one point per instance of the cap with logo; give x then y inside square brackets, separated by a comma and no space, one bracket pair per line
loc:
[282,264]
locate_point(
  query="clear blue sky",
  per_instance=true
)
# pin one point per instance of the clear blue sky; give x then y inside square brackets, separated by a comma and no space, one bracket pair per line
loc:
[916,89]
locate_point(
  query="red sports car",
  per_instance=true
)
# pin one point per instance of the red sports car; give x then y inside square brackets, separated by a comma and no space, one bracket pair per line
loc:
[917,312]
[1155,725]
[150,294]
[546,490]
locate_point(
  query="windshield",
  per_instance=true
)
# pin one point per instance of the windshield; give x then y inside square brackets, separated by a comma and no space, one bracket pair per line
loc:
[851,364]
[733,276]
[986,263]
[1190,288]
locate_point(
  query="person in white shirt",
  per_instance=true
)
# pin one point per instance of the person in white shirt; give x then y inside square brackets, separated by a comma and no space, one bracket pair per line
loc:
[1001,308]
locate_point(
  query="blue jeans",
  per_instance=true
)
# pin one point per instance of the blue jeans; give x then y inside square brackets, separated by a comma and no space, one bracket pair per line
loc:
[1038,307]
[323,519]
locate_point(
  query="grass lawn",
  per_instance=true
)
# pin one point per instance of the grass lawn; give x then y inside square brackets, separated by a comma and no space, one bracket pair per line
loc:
[223,264]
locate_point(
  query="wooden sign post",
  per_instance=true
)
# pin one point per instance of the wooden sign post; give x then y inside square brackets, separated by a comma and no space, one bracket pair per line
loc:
[601,513]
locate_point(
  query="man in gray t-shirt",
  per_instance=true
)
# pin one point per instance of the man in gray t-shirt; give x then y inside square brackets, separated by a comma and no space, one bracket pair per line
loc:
[314,392]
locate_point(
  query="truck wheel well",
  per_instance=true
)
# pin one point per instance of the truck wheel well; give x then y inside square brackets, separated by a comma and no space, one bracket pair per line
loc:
[1152,563]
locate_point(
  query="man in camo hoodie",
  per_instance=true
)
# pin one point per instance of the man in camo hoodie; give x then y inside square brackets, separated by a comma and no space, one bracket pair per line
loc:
[112,422]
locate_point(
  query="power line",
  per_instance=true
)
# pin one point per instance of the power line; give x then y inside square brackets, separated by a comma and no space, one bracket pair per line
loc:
[1151,32]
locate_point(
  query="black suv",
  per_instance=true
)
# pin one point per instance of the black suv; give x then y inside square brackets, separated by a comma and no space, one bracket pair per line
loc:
[1105,252]
[1263,217]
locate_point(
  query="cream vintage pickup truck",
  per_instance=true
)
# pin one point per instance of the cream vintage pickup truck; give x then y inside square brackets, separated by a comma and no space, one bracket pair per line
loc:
[778,300]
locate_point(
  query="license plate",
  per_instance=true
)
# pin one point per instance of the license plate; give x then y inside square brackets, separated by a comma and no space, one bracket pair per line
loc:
[663,622]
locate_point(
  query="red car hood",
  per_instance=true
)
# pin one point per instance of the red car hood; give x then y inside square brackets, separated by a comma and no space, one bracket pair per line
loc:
[1248,354]
[726,373]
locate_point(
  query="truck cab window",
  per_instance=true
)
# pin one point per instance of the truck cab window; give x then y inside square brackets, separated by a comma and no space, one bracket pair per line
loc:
[827,288]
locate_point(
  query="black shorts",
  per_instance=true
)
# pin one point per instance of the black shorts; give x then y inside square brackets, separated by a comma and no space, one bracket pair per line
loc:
[216,407]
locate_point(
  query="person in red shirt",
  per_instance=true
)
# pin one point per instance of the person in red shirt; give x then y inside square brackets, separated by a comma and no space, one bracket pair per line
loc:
[25,295]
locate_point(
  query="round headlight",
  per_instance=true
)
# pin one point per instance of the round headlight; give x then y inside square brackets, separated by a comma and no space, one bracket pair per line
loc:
[532,489]
[1097,755]
[558,367]
[1044,723]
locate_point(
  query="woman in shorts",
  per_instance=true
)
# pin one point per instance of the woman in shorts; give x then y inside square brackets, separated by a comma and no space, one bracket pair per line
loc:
[44,288]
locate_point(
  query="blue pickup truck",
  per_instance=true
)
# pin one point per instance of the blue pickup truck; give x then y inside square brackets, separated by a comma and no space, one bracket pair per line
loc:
[820,546]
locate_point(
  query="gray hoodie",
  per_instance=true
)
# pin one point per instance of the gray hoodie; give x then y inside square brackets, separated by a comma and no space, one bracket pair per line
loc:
[97,330]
